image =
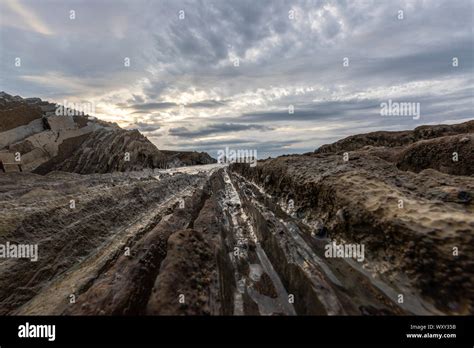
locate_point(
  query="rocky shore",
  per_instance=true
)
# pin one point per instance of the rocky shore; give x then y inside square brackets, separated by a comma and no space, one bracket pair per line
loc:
[374,224]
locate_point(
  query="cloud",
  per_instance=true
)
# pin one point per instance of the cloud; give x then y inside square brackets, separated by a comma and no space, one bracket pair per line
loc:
[214,129]
[146,107]
[283,61]
[205,104]
[153,106]
[144,127]
[28,18]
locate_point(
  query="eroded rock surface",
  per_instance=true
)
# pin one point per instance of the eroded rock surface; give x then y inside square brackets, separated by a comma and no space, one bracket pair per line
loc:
[241,240]
[417,223]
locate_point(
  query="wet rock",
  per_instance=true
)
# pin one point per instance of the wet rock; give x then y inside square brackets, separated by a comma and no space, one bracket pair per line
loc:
[36,209]
[412,208]
[265,286]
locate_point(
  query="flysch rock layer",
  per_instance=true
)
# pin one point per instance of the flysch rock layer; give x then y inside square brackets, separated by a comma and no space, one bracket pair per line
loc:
[235,240]
[407,196]
[80,144]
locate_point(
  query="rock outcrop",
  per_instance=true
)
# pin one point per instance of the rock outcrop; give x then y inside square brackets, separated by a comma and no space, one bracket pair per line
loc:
[40,142]
[446,148]
[400,194]
[398,138]
[188,158]
[243,240]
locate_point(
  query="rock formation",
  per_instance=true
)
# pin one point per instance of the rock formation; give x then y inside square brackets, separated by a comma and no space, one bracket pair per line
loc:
[45,142]
[236,240]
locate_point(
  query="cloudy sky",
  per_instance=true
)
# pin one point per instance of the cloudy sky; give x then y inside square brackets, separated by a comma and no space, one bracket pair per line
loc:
[204,75]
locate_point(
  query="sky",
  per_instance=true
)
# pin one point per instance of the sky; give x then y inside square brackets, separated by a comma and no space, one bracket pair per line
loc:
[279,77]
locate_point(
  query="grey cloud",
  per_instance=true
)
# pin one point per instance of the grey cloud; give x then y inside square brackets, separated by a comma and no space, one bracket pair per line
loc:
[207,104]
[169,57]
[216,129]
[146,107]
[144,127]
[433,106]
[315,111]
[136,99]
